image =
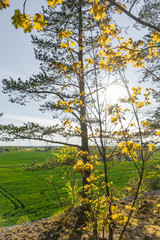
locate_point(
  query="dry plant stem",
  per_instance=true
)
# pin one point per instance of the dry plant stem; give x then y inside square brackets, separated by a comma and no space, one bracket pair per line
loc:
[102,152]
[104,162]
[134,201]
[105,169]
[132,156]
[101,140]
[116,187]
[142,167]
[59,199]
[95,140]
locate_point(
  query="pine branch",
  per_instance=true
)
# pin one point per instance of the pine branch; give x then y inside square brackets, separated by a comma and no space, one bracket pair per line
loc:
[138,20]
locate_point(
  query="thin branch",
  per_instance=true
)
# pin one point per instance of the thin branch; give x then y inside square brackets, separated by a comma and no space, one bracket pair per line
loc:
[152,73]
[140,21]
[48,141]
[24,6]
[132,5]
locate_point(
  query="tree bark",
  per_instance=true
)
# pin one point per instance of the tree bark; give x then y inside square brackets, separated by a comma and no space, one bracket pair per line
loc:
[84,131]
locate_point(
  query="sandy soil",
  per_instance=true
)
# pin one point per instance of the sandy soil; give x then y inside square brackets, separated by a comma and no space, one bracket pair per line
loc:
[144,225]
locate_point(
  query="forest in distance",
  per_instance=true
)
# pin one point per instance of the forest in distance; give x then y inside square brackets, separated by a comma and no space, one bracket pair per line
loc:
[26,148]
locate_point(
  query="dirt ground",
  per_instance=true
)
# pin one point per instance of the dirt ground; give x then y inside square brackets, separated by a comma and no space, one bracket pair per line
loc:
[144,224]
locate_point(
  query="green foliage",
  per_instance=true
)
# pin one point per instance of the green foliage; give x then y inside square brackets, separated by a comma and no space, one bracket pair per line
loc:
[26,187]
[65,156]
[73,192]
[10,148]
[20,190]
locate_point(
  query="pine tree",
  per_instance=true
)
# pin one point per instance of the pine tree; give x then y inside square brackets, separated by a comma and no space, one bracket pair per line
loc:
[69,81]
[68,52]
[151,72]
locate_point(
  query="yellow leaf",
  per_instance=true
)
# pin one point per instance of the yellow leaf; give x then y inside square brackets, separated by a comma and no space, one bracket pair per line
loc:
[4,4]
[73,44]
[39,22]
[53,3]
[158,133]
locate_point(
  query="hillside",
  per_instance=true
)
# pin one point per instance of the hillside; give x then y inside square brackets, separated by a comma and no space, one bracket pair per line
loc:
[145,224]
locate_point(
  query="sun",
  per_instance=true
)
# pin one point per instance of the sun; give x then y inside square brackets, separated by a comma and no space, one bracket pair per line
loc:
[115,92]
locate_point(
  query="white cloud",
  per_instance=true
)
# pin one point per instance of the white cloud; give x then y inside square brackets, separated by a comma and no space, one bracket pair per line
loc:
[20,119]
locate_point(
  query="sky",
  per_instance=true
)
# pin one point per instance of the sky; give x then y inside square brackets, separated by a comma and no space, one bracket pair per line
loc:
[17,60]
[17,56]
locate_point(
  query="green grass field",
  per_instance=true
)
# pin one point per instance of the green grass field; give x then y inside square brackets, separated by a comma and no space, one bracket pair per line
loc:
[20,196]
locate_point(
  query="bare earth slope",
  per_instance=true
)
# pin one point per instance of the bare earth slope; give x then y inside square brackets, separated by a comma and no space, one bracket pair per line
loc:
[145,225]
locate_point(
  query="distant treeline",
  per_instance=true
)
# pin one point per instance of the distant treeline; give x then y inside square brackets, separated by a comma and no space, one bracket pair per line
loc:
[26,148]
[10,148]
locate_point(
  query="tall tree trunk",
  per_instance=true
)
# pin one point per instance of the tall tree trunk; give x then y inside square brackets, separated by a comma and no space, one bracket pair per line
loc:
[84,131]
[108,195]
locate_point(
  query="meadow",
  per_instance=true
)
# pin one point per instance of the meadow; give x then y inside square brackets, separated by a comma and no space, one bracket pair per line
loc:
[21,192]
[20,196]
